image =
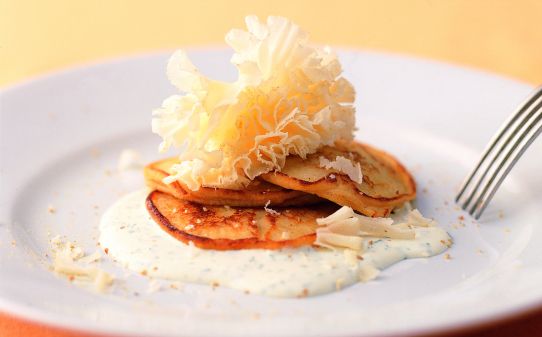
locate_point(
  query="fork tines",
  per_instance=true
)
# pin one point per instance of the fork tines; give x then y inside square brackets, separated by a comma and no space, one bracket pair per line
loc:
[504,150]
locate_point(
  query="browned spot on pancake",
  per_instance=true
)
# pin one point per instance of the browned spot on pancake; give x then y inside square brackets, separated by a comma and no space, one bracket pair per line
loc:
[367,180]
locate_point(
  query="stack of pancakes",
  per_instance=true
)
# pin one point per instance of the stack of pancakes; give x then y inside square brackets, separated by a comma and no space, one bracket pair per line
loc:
[278,209]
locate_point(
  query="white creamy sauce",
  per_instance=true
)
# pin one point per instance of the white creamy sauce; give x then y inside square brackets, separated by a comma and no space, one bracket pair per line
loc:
[133,239]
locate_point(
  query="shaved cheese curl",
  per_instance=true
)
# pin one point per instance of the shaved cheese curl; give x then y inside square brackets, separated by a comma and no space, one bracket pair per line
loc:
[288,99]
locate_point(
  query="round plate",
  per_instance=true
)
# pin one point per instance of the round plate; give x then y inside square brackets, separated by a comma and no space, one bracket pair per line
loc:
[60,140]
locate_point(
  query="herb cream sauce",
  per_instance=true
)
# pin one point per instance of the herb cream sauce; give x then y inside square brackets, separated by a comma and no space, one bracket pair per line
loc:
[134,240]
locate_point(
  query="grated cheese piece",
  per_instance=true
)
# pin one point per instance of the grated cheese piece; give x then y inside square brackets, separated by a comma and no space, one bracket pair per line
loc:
[269,210]
[102,280]
[129,159]
[349,226]
[343,165]
[346,222]
[385,230]
[70,261]
[347,229]
[415,218]
[331,240]
[341,214]
[289,99]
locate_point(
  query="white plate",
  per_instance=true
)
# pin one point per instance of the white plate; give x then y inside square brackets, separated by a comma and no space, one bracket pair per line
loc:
[61,136]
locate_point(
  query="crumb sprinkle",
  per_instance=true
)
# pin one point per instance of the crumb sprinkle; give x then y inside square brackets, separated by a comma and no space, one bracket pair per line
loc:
[304,293]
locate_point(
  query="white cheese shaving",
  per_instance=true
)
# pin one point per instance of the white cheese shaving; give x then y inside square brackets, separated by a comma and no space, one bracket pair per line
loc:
[69,260]
[129,159]
[347,229]
[343,165]
[341,214]
[269,210]
[325,238]
[415,218]
[289,99]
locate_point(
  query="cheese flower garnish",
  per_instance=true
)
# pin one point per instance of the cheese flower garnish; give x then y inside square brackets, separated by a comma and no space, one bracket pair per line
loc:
[289,99]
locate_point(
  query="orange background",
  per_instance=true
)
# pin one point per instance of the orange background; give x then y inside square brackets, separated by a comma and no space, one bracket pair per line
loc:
[502,36]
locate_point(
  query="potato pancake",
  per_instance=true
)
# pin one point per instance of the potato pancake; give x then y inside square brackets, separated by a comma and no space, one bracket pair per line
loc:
[386,183]
[226,228]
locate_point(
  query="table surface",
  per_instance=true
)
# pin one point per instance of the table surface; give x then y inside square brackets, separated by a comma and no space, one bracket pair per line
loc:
[501,36]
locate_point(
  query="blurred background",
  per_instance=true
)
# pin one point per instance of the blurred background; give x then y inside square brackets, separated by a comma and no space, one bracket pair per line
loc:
[501,36]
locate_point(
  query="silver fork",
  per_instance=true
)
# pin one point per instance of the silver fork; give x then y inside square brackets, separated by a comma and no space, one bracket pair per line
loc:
[500,156]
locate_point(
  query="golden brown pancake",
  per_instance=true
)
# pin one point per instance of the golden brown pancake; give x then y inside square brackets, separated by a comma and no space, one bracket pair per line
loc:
[386,183]
[257,193]
[227,228]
